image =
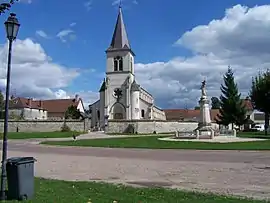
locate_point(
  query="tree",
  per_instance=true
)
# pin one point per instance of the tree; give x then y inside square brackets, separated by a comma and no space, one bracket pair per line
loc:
[232,109]
[196,108]
[72,112]
[215,103]
[260,95]
[6,6]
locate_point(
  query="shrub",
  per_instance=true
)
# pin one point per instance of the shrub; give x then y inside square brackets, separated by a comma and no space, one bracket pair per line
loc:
[65,128]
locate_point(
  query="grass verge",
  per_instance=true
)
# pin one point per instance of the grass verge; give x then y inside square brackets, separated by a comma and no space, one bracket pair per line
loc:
[152,142]
[51,191]
[28,135]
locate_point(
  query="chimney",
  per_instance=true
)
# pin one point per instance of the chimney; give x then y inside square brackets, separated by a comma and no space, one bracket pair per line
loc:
[40,104]
[76,97]
[30,102]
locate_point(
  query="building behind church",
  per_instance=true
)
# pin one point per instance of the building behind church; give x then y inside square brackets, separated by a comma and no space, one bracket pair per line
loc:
[121,97]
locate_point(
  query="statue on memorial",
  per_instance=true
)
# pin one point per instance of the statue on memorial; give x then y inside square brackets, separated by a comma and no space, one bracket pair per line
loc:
[203,88]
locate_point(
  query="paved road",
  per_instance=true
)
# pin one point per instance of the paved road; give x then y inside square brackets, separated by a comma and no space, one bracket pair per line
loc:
[233,172]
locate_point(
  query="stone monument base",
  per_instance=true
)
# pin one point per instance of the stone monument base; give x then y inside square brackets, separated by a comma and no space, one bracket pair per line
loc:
[205,132]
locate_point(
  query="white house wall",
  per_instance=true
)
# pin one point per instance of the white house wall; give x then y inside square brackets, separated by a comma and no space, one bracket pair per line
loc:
[29,114]
[80,107]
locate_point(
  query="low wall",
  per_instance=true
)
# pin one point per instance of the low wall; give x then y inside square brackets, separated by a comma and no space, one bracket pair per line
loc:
[44,126]
[149,126]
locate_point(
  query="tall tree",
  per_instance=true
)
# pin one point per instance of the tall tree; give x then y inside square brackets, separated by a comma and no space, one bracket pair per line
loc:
[72,112]
[232,109]
[260,95]
[215,103]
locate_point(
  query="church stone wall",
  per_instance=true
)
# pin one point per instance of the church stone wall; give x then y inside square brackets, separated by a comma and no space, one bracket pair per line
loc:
[149,126]
[45,126]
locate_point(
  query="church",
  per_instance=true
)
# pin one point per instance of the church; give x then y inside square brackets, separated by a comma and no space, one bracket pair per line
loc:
[121,97]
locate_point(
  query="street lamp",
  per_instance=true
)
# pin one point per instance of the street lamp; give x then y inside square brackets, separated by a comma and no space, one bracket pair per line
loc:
[12,27]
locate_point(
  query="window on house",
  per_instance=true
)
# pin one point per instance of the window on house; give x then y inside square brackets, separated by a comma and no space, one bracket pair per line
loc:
[142,112]
[118,63]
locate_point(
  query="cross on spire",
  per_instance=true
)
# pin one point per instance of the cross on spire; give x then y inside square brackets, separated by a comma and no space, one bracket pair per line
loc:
[120,40]
[120,3]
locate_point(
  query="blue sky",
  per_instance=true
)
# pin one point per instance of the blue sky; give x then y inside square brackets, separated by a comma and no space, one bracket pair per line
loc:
[153,28]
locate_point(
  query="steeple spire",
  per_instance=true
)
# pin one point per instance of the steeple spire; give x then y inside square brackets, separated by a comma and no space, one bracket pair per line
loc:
[119,39]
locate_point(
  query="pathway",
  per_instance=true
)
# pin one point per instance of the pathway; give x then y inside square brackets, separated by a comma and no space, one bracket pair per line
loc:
[233,172]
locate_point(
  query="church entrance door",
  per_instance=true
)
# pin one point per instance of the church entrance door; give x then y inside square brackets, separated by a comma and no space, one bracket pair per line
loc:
[118,111]
[118,116]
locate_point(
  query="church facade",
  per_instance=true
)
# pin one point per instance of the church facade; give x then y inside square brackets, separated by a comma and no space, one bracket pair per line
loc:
[121,97]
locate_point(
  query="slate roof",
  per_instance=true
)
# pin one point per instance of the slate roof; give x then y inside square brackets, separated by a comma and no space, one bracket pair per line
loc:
[120,40]
[135,86]
[103,87]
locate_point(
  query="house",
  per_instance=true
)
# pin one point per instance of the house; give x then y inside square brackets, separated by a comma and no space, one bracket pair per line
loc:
[121,97]
[57,107]
[193,115]
[30,109]
[187,114]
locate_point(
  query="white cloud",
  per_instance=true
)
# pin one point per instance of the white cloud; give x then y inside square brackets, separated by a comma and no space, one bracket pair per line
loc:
[33,73]
[42,34]
[240,39]
[65,35]
[116,2]
[88,97]
[88,5]
[72,24]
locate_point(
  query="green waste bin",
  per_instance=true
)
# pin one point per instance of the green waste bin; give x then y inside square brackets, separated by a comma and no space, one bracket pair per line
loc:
[20,178]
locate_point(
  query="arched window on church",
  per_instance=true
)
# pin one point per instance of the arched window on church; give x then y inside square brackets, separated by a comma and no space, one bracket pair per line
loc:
[98,114]
[142,113]
[118,63]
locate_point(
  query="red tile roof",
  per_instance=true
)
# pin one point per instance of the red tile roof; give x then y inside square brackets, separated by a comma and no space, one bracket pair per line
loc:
[193,115]
[52,106]
[187,114]
[59,105]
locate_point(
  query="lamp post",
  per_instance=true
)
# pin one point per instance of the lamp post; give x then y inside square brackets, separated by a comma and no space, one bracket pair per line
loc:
[12,27]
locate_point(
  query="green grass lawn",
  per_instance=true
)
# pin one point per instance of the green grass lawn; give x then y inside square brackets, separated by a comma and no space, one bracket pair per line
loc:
[53,191]
[153,143]
[28,135]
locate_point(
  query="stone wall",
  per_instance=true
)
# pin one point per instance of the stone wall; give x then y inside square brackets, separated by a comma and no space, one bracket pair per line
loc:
[44,126]
[149,126]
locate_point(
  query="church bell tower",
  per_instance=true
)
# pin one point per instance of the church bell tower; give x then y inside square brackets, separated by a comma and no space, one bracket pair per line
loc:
[119,73]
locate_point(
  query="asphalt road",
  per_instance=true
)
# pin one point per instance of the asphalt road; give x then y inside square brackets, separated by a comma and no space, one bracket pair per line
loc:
[243,173]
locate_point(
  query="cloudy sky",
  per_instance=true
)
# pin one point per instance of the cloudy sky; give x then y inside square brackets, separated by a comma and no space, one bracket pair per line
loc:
[60,48]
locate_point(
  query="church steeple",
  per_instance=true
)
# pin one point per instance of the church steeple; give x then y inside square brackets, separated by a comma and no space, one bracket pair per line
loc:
[120,40]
